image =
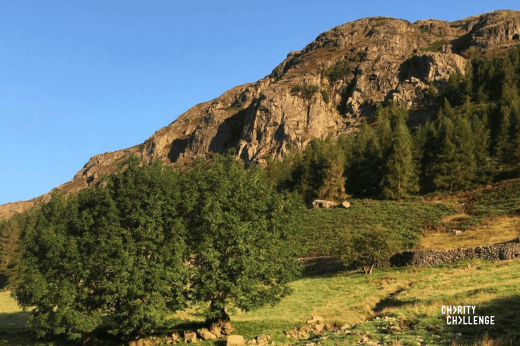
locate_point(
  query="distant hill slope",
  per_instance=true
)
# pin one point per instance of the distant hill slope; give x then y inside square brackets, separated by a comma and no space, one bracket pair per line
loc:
[321,90]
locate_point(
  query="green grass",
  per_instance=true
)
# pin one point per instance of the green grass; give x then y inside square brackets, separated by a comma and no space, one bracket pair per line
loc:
[408,219]
[407,297]
[480,211]
[434,47]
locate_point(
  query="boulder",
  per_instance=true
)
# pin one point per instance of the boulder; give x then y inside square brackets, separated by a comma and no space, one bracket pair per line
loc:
[227,328]
[318,327]
[262,340]
[205,334]
[216,329]
[176,338]
[321,203]
[190,337]
[345,204]
[235,340]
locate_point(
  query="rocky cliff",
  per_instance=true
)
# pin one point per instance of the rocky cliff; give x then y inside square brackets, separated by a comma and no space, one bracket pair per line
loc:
[322,90]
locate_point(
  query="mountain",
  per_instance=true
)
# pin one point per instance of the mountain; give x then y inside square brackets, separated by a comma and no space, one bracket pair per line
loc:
[324,89]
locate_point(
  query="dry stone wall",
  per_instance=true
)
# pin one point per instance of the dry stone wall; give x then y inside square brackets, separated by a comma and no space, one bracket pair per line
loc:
[423,258]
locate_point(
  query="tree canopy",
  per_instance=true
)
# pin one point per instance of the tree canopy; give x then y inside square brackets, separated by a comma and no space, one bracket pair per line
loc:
[149,240]
[239,231]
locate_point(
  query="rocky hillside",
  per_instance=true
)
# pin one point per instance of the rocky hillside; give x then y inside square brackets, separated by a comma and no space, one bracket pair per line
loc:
[324,89]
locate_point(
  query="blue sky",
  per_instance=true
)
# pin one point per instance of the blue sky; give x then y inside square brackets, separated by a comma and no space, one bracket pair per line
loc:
[79,78]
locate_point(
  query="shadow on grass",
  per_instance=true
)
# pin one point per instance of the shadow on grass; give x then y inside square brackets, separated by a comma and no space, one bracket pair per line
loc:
[14,331]
[392,301]
[506,312]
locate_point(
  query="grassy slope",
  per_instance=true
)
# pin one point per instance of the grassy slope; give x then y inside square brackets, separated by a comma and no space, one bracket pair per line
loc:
[358,298]
[488,216]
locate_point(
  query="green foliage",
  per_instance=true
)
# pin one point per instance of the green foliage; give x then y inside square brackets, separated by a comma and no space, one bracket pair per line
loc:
[400,172]
[339,71]
[11,233]
[318,172]
[324,227]
[364,162]
[305,92]
[126,254]
[325,95]
[368,248]
[238,232]
[109,254]
[434,47]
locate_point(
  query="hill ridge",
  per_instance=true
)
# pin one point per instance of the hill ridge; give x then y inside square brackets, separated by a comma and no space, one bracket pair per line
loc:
[324,89]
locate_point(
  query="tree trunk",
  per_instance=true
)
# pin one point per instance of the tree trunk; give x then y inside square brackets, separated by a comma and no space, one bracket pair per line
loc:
[218,312]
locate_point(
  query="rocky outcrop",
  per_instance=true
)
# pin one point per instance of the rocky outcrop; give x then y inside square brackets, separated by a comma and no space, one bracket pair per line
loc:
[322,90]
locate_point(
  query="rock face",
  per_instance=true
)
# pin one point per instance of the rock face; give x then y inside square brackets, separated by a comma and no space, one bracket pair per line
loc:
[319,91]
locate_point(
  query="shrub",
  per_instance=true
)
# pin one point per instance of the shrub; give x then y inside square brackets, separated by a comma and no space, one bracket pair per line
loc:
[368,248]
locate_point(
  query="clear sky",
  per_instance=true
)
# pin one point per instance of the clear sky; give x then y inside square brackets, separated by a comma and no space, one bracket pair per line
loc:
[79,78]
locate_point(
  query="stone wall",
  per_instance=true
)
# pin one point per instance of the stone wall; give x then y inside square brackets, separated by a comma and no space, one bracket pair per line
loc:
[427,258]
[423,258]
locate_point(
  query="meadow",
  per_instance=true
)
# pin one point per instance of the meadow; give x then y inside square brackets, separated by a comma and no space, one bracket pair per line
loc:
[392,306]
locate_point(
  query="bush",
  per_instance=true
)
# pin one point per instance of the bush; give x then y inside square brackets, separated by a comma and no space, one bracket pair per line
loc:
[368,248]
[305,92]
[339,71]
[325,95]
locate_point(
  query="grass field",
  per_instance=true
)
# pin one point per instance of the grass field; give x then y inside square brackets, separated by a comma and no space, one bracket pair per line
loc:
[410,298]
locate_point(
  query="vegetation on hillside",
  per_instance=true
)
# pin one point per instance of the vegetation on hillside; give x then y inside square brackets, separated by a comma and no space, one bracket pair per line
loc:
[474,139]
[149,241]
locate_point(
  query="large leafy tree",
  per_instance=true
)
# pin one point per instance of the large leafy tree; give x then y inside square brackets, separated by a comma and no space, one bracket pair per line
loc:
[240,233]
[109,256]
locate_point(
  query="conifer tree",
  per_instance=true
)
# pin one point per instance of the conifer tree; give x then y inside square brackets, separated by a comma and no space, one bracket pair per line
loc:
[428,145]
[364,168]
[503,144]
[401,178]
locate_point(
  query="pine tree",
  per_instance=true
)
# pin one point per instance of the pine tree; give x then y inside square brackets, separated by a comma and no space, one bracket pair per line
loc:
[503,143]
[427,142]
[364,168]
[401,178]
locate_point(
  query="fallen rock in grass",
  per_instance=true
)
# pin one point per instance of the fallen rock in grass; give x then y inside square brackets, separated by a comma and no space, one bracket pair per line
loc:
[262,340]
[321,203]
[235,340]
[190,338]
[205,334]
[176,338]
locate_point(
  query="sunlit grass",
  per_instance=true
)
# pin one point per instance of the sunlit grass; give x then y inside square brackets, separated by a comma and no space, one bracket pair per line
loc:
[412,295]
[494,231]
